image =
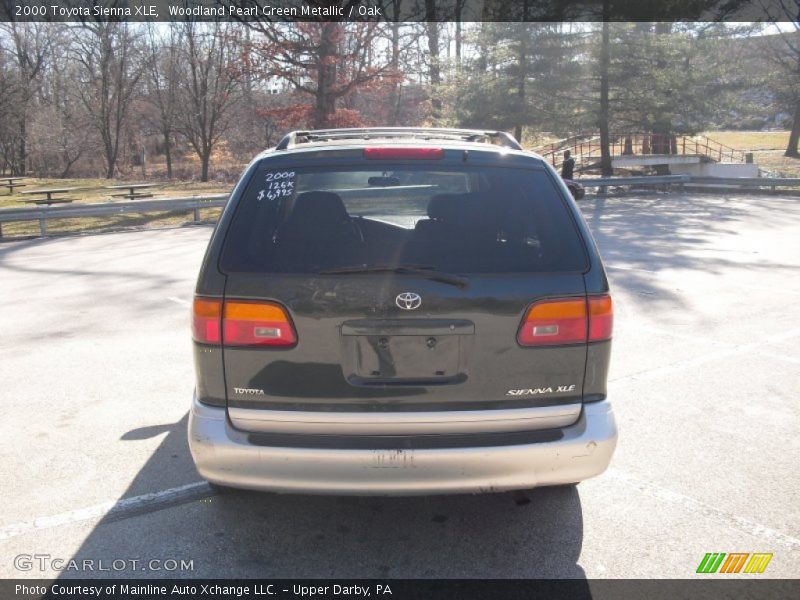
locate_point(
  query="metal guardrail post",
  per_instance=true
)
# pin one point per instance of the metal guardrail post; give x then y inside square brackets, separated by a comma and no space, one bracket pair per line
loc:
[42,226]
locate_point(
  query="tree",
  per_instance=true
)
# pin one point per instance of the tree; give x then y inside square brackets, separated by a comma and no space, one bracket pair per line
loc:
[30,49]
[211,85]
[162,62]
[109,74]
[69,132]
[522,76]
[603,112]
[786,60]
[325,60]
[434,68]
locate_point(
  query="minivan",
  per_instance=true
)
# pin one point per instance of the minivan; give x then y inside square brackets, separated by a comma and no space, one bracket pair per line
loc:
[397,311]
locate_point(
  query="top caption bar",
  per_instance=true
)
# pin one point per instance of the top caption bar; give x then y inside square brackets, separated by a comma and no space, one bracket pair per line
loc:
[399,10]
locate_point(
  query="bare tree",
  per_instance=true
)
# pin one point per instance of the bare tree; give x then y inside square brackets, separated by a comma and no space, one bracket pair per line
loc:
[787,61]
[211,85]
[326,60]
[434,67]
[30,48]
[163,78]
[109,75]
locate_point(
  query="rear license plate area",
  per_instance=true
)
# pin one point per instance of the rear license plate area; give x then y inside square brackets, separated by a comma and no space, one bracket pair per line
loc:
[416,351]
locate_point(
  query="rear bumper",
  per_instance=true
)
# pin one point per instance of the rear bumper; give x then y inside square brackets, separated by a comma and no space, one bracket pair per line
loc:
[225,455]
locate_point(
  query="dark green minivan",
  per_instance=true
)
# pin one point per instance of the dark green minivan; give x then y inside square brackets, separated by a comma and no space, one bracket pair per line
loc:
[401,311]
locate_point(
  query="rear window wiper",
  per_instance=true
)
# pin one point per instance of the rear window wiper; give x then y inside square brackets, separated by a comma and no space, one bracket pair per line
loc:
[426,271]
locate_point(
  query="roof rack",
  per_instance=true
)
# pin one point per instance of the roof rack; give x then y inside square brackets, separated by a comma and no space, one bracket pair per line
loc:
[295,138]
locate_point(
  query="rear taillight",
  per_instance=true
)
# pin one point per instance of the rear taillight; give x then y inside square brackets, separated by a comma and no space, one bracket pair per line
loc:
[247,323]
[403,153]
[567,321]
[206,320]
[601,318]
[241,323]
[550,322]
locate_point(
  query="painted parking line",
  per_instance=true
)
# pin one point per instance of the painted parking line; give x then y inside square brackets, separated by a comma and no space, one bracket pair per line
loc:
[766,534]
[671,274]
[178,300]
[688,363]
[148,503]
[114,511]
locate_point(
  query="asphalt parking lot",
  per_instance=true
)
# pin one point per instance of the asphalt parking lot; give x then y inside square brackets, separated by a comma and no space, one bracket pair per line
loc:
[96,380]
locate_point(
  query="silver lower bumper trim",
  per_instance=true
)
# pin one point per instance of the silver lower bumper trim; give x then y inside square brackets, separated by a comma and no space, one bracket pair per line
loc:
[224,455]
[404,423]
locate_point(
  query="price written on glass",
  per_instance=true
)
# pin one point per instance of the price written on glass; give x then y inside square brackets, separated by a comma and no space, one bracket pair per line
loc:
[279,184]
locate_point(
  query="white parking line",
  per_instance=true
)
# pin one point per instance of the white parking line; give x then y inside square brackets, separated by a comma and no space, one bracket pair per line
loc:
[772,536]
[683,282]
[789,359]
[113,511]
[704,358]
[689,337]
[178,300]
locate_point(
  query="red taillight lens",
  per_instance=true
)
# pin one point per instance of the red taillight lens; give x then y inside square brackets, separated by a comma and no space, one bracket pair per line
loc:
[241,323]
[206,318]
[246,323]
[601,318]
[551,322]
[567,321]
[403,153]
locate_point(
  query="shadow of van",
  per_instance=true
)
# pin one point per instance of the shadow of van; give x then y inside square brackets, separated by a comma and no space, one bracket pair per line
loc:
[246,534]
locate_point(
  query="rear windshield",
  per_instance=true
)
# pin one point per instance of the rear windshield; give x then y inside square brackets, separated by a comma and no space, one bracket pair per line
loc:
[455,219]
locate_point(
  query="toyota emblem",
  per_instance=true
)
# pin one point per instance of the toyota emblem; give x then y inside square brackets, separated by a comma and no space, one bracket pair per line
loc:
[408,300]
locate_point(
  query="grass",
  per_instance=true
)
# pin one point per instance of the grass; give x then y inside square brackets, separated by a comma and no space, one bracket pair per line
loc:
[767,148]
[92,191]
[751,140]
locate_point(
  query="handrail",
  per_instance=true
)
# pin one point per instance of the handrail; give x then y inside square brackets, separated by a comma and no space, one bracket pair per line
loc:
[637,143]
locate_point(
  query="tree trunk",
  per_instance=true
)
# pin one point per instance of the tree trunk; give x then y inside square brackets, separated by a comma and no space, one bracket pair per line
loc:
[168,153]
[325,101]
[458,33]
[23,147]
[394,97]
[522,65]
[205,159]
[605,59]
[794,136]
[111,160]
[433,49]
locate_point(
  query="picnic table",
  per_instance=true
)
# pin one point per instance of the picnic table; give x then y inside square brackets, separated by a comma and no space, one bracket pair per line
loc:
[48,196]
[132,193]
[11,183]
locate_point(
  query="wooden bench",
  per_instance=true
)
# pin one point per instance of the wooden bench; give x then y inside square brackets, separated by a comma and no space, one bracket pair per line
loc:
[48,201]
[48,196]
[11,183]
[133,190]
[132,196]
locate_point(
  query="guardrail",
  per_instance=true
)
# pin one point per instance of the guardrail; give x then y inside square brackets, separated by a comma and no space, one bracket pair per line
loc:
[644,180]
[195,203]
[770,182]
[745,182]
[75,211]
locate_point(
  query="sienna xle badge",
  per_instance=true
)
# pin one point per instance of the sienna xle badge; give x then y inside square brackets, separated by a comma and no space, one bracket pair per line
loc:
[401,311]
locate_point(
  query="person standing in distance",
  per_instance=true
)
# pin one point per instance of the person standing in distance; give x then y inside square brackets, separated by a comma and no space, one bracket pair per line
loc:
[568,165]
